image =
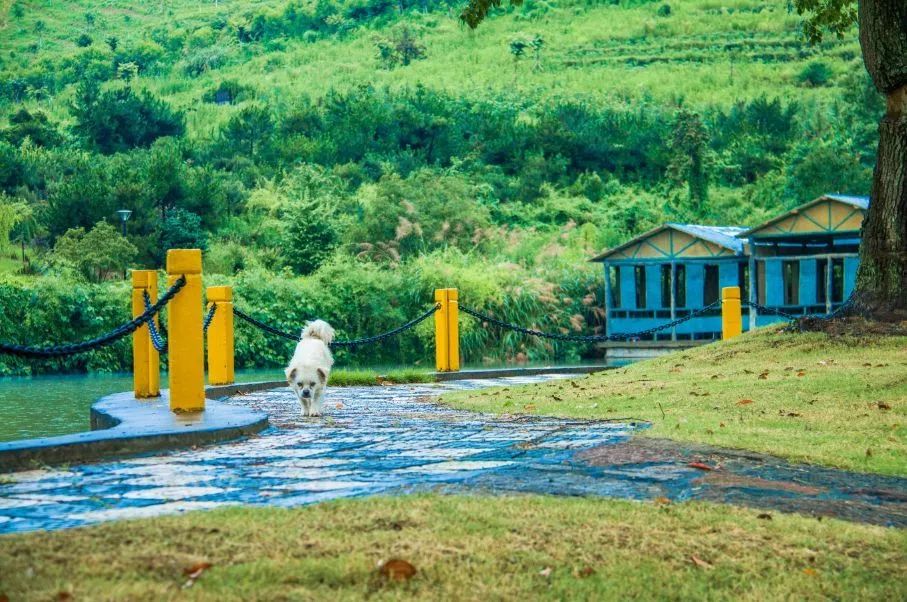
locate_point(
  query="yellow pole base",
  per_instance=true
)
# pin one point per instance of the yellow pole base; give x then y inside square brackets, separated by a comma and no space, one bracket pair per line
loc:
[731,314]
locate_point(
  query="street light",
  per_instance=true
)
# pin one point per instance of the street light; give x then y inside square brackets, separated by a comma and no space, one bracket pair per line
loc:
[124,216]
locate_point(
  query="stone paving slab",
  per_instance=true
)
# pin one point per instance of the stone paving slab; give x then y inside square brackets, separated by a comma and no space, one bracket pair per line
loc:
[393,440]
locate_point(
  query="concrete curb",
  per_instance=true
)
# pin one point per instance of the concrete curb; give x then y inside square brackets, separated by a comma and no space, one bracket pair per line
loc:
[125,426]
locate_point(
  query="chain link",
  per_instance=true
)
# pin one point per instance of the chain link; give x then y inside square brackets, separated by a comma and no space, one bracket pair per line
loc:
[594,338]
[212,308]
[97,342]
[348,343]
[841,309]
[157,341]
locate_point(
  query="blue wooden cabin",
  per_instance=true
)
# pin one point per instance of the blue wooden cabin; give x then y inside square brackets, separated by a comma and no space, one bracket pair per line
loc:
[803,261]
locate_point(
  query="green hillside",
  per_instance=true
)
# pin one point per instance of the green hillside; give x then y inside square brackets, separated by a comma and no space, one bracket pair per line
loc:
[366,148]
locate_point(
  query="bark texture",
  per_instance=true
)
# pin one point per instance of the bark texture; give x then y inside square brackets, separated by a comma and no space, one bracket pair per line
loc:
[882,280]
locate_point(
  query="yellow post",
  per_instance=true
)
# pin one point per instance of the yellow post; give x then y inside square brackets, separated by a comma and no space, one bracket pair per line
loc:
[220,336]
[453,330]
[442,324]
[731,317]
[186,350]
[146,363]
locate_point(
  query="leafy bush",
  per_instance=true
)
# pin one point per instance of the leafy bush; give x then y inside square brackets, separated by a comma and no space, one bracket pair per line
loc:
[84,40]
[95,255]
[815,74]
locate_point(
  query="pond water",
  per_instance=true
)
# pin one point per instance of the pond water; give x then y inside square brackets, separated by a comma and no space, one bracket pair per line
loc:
[48,405]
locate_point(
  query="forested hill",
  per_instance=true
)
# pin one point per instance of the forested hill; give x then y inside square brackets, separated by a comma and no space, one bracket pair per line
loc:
[318,141]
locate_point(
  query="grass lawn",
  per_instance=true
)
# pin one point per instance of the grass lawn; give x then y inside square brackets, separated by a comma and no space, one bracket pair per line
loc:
[838,401]
[462,548]
[364,378]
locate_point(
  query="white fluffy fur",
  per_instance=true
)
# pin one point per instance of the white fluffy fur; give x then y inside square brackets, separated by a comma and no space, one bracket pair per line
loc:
[310,368]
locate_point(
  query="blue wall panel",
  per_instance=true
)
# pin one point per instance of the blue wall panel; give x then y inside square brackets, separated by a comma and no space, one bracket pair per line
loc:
[695,277]
[727,274]
[627,288]
[807,282]
[774,285]
[653,286]
[850,274]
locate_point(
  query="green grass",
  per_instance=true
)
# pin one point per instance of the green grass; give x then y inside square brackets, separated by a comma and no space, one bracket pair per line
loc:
[463,548]
[838,401]
[359,378]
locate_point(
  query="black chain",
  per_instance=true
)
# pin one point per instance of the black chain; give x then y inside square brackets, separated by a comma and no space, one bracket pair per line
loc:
[97,342]
[594,338]
[844,307]
[349,343]
[157,341]
[212,308]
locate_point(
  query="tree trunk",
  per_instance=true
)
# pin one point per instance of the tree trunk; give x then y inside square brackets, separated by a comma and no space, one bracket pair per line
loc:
[882,279]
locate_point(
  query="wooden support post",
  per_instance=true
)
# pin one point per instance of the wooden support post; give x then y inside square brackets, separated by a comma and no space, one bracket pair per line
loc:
[220,336]
[186,349]
[731,317]
[146,363]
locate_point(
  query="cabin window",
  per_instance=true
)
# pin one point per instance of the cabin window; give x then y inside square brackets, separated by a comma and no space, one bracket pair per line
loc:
[743,280]
[666,285]
[710,285]
[790,274]
[639,275]
[837,280]
[760,282]
[614,282]
[821,281]
[680,285]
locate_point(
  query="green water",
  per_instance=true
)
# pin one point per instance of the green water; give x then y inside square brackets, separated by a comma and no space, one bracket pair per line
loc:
[43,406]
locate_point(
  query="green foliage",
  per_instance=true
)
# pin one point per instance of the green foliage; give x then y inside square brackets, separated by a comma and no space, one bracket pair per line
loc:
[119,119]
[815,74]
[833,16]
[96,255]
[309,235]
[400,49]
[690,155]
[34,126]
[182,229]
[84,41]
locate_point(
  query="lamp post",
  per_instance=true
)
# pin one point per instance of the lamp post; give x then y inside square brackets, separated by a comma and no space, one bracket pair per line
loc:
[124,216]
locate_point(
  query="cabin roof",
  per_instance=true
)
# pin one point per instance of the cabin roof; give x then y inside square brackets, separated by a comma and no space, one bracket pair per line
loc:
[860,203]
[724,236]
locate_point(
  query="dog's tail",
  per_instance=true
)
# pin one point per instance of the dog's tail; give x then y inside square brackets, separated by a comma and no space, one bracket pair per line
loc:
[319,329]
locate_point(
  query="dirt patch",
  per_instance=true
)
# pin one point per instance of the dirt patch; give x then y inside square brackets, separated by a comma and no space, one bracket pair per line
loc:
[855,326]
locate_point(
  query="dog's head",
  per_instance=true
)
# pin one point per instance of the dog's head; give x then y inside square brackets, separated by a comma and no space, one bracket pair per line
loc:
[306,381]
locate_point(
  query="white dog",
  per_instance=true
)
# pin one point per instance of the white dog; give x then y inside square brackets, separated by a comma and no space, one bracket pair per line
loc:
[310,368]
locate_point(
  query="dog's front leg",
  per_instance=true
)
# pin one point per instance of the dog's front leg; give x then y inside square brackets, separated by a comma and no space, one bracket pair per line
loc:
[306,406]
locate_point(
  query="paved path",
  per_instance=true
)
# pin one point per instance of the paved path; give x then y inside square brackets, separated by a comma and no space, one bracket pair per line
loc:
[391,439]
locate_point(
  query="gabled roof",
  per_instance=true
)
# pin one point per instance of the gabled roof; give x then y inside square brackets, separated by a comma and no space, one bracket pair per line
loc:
[842,223]
[725,237]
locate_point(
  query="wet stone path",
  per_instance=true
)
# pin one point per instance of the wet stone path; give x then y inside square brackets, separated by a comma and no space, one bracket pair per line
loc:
[394,440]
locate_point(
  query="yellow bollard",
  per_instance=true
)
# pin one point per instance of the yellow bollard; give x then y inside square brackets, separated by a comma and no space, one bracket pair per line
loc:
[442,325]
[186,352]
[220,336]
[146,363]
[453,330]
[731,316]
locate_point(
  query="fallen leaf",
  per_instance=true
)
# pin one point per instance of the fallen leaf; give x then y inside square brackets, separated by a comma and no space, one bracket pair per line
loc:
[700,466]
[714,376]
[4,598]
[764,516]
[868,453]
[794,414]
[545,572]
[744,402]
[661,500]
[709,432]
[575,386]
[396,569]
[64,597]
[586,571]
[763,376]
[529,407]
[801,373]
[196,569]
[811,572]
[883,406]
[556,398]
[339,406]
[700,562]
[721,424]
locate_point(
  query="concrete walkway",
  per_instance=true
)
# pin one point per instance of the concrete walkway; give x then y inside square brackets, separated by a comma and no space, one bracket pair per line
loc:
[392,440]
